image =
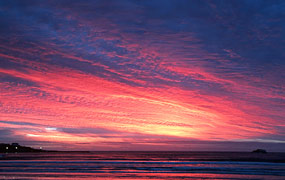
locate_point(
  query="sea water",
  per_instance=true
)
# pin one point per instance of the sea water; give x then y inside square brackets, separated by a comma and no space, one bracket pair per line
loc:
[142,165]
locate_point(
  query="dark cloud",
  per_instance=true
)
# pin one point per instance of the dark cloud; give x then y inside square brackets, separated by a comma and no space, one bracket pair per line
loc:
[20,123]
[95,131]
[17,80]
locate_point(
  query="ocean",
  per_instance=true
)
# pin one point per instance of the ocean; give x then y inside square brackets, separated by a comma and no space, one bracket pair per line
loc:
[142,165]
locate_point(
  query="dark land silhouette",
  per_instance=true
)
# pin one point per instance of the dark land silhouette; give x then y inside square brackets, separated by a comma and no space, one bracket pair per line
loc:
[15,147]
[262,151]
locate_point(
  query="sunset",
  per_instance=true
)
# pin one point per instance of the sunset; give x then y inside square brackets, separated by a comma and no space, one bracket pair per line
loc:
[132,75]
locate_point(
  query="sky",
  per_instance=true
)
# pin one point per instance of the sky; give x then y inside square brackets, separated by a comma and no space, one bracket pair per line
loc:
[143,75]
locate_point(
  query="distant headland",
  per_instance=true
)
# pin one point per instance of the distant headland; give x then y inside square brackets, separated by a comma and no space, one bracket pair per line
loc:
[262,151]
[15,147]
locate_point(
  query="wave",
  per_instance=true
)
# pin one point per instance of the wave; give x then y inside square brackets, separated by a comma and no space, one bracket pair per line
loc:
[249,168]
[150,162]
